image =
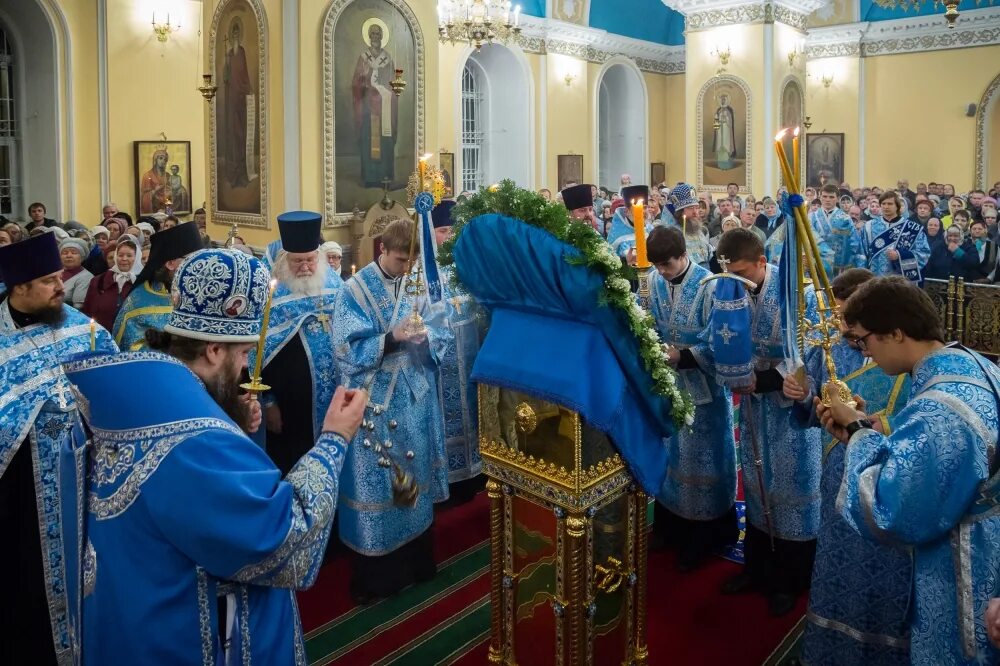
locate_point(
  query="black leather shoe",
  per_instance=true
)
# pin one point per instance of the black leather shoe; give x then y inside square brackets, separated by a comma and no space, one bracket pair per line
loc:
[738,584]
[779,604]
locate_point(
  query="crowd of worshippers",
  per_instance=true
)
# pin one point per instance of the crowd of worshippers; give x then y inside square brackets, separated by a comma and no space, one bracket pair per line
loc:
[960,229]
[202,509]
[102,264]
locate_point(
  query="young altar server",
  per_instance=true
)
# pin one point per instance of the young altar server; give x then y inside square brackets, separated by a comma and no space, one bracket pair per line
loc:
[699,491]
[858,614]
[780,458]
[376,347]
[932,484]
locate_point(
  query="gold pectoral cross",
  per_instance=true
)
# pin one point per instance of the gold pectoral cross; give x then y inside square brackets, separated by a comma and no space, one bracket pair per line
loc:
[456,302]
[324,319]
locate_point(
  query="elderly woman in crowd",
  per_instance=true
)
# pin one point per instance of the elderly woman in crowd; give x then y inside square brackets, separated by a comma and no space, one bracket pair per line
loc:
[97,263]
[955,256]
[334,255]
[115,226]
[108,291]
[75,277]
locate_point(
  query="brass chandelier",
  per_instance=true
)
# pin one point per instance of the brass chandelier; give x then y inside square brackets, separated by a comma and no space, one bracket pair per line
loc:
[479,21]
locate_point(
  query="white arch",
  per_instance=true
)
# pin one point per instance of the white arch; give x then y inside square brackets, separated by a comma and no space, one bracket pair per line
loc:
[984,133]
[506,70]
[55,174]
[635,162]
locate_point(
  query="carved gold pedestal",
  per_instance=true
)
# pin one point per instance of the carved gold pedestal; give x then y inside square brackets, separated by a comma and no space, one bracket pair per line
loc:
[568,538]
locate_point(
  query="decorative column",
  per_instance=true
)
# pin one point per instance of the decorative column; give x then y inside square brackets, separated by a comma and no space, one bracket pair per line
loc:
[497,531]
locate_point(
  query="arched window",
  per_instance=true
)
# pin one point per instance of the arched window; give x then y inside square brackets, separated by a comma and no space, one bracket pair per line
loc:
[473,128]
[9,165]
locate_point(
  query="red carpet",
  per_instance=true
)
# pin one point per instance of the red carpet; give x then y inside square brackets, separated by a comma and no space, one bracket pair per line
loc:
[446,621]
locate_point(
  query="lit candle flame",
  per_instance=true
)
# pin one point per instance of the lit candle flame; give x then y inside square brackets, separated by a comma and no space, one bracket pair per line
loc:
[795,133]
[780,135]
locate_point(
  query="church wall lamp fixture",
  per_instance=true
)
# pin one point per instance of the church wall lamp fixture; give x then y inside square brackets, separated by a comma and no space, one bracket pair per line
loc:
[723,56]
[827,80]
[207,88]
[569,79]
[164,30]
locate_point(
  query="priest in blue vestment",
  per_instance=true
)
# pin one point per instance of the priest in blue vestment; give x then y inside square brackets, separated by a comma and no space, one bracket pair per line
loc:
[148,305]
[184,544]
[457,392]
[858,614]
[298,355]
[932,484]
[379,346]
[783,499]
[699,490]
[622,233]
[891,244]
[38,415]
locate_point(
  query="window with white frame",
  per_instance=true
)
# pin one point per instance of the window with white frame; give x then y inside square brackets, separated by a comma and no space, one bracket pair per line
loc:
[9,164]
[473,128]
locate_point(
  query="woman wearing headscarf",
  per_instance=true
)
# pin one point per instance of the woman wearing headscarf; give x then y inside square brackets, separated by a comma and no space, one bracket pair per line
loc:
[115,226]
[75,277]
[96,263]
[108,291]
[333,254]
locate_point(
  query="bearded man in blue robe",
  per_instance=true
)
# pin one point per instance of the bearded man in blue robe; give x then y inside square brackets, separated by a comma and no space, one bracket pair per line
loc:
[38,415]
[174,509]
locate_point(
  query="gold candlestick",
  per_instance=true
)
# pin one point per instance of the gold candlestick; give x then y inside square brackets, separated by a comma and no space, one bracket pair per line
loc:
[828,325]
[255,385]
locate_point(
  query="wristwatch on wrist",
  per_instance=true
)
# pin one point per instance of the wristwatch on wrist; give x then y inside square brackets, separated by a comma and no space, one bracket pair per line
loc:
[855,426]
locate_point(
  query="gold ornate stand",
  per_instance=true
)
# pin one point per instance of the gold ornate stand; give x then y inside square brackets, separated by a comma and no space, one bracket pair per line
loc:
[567,536]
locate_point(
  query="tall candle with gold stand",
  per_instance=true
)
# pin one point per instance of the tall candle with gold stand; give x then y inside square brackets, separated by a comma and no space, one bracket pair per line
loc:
[639,221]
[255,386]
[796,166]
[827,327]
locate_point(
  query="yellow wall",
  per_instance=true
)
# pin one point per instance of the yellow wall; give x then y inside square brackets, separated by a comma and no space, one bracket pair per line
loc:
[152,88]
[835,109]
[915,122]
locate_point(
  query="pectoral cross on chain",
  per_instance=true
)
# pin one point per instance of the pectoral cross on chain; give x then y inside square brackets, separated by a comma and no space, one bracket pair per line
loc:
[726,334]
[324,319]
[456,302]
[724,264]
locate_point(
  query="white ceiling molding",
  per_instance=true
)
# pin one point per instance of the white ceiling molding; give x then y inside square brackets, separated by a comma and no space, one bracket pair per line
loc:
[598,46]
[975,27]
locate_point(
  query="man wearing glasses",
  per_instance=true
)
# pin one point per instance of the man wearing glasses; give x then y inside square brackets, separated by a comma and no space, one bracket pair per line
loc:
[857,614]
[933,483]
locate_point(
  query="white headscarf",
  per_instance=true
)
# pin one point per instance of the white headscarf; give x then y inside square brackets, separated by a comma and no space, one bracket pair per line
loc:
[121,277]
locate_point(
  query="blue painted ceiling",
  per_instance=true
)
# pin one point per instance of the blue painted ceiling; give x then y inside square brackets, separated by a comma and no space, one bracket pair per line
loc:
[649,20]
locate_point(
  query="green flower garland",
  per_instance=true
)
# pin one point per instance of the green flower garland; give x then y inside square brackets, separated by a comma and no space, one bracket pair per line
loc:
[509,200]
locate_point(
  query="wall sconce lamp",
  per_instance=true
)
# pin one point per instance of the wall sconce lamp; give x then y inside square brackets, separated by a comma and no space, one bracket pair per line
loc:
[723,57]
[164,30]
[827,80]
[807,123]
[797,54]
[569,79]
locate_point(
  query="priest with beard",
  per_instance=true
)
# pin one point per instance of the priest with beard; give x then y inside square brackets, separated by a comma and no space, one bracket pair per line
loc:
[377,348]
[148,305]
[38,415]
[298,355]
[193,543]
